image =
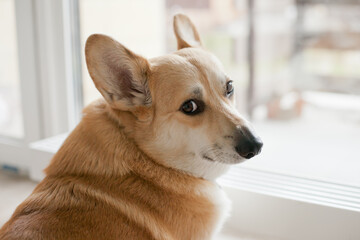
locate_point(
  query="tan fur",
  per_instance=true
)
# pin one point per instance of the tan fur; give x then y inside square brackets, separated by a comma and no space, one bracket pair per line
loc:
[100,186]
[134,167]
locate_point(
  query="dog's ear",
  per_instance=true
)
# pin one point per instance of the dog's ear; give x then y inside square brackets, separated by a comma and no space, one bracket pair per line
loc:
[119,74]
[185,32]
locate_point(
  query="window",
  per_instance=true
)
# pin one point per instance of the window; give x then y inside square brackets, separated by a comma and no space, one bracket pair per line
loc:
[294,63]
[304,101]
[35,85]
[307,101]
[19,105]
[301,93]
[10,101]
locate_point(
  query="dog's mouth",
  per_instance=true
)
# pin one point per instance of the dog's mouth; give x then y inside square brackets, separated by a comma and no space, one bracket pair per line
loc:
[223,157]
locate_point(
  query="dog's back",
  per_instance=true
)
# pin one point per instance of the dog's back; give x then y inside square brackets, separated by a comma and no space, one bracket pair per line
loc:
[92,192]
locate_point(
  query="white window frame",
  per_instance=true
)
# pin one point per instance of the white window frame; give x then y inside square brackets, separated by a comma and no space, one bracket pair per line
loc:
[47,86]
[12,150]
[50,86]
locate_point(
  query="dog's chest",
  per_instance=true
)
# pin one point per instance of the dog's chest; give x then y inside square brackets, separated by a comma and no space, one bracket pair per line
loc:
[222,206]
[206,220]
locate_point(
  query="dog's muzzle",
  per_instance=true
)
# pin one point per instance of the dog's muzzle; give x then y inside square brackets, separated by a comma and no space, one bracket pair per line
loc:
[248,144]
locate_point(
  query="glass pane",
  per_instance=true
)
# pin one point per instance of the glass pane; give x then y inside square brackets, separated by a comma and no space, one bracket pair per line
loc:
[10,102]
[138,24]
[308,88]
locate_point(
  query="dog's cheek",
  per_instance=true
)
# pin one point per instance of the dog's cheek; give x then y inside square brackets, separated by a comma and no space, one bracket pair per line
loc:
[172,140]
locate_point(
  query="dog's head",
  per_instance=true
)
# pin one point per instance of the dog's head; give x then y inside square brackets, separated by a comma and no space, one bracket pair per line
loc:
[178,108]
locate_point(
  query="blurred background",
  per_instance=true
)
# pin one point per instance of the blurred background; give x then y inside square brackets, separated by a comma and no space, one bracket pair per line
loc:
[296,65]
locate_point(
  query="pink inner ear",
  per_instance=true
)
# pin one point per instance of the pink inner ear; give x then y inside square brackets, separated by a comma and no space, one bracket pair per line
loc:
[123,84]
[126,83]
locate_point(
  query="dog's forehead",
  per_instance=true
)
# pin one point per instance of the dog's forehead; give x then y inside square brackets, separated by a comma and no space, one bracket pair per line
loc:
[188,67]
[206,63]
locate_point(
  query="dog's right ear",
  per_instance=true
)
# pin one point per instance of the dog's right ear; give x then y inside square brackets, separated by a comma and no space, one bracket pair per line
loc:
[185,32]
[119,74]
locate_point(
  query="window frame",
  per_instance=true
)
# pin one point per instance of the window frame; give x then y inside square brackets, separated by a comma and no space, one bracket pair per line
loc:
[49,84]
[12,148]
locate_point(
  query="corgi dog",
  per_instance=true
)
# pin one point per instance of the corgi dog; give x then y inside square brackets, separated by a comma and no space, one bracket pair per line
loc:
[143,161]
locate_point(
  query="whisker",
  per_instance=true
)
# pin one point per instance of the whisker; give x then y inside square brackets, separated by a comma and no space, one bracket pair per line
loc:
[215,153]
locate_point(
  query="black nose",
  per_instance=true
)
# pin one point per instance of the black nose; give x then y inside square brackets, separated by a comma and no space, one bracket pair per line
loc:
[248,145]
[249,149]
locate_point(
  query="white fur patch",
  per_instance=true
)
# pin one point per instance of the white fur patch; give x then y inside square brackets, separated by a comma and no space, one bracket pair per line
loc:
[181,148]
[222,204]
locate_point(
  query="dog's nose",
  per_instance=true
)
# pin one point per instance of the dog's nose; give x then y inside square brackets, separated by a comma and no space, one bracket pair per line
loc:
[248,144]
[248,149]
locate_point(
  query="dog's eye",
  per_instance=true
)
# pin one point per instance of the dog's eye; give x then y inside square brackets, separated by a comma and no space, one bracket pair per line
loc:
[229,88]
[191,107]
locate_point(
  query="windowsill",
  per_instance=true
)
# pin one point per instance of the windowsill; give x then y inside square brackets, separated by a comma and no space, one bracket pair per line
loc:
[291,174]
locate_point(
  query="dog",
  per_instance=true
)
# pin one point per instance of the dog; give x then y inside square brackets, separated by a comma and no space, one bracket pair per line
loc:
[142,162]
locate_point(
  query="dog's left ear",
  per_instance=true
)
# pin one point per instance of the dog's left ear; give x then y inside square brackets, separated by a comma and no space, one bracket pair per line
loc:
[119,74]
[185,32]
